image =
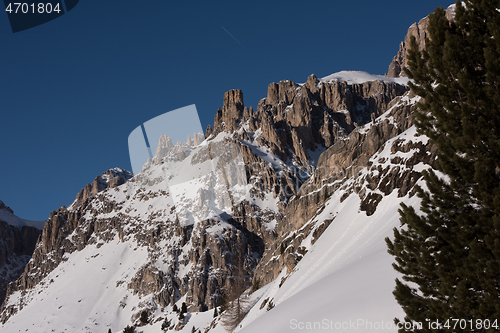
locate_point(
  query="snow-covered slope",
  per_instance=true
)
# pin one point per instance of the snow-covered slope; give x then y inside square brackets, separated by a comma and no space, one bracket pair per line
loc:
[162,238]
[85,293]
[345,281]
[362,77]
[8,216]
[157,240]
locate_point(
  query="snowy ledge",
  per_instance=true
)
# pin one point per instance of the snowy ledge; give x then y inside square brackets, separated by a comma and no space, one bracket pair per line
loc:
[357,77]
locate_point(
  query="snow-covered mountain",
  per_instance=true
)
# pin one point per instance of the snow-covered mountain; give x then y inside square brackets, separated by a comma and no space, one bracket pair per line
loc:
[295,197]
[105,259]
[109,179]
[17,242]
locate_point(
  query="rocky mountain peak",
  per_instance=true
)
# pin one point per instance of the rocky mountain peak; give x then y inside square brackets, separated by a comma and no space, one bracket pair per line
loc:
[4,207]
[232,110]
[208,131]
[298,119]
[164,143]
[284,91]
[17,243]
[419,30]
[166,147]
[312,84]
[109,179]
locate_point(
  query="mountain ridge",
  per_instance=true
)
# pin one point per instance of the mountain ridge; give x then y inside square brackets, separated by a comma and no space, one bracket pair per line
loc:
[308,150]
[17,243]
[231,254]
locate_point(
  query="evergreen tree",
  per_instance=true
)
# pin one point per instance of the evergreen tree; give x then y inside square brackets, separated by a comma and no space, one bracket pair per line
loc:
[144,317]
[238,304]
[129,329]
[175,308]
[165,325]
[270,305]
[215,312]
[184,308]
[451,251]
[109,331]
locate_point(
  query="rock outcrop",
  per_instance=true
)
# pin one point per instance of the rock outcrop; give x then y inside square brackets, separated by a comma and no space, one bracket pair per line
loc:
[109,179]
[297,119]
[165,145]
[354,165]
[17,243]
[52,239]
[419,30]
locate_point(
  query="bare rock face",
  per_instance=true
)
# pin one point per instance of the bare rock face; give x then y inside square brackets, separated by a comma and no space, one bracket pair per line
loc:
[109,179]
[165,145]
[208,131]
[297,119]
[420,31]
[232,109]
[337,167]
[400,61]
[17,244]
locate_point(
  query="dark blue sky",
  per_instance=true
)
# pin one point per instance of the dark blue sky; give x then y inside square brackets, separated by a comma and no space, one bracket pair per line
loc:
[73,89]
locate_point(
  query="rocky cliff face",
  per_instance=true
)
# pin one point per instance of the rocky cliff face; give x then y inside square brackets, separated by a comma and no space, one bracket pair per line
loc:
[109,179]
[24,247]
[56,227]
[369,163]
[17,243]
[295,120]
[420,32]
